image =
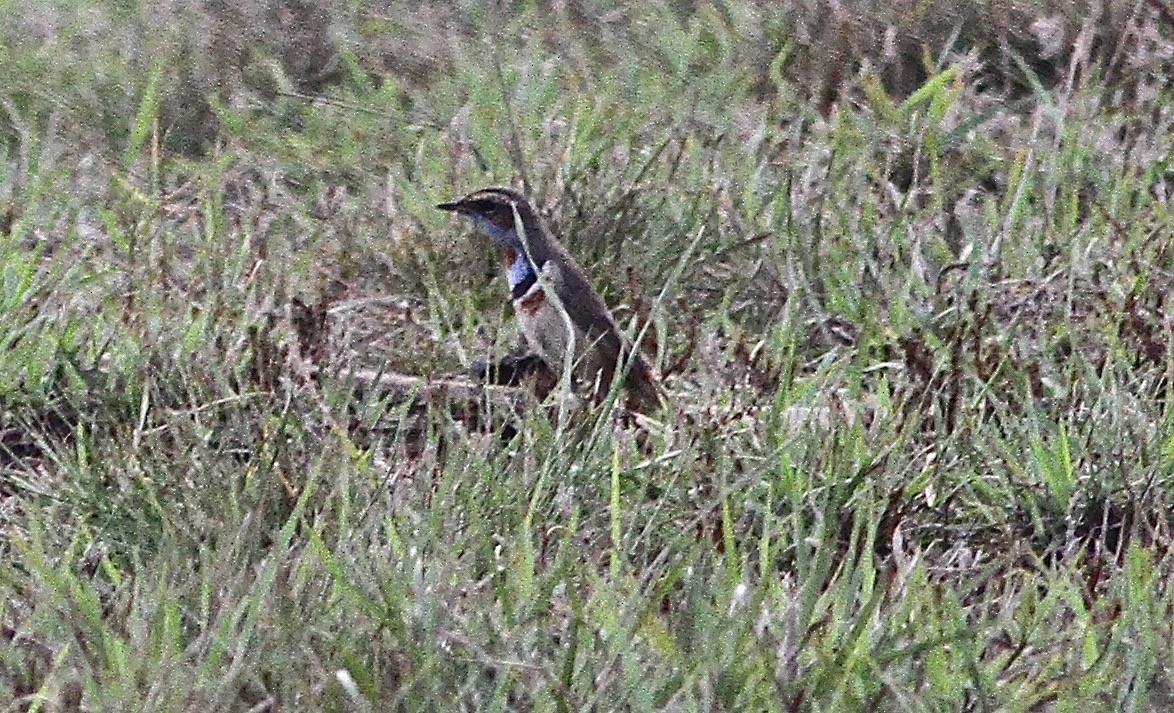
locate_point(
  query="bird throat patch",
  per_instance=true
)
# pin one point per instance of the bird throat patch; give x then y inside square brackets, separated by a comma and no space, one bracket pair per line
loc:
[530,299]
[521,275]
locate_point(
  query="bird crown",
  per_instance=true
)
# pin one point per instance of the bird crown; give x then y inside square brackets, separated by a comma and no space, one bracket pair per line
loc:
[493,210]
[493,204]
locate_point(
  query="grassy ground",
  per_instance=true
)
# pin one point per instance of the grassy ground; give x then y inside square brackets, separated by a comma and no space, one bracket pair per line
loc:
[908,274]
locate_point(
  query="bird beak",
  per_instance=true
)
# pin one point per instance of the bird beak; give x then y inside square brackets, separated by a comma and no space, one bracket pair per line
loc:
[457,206]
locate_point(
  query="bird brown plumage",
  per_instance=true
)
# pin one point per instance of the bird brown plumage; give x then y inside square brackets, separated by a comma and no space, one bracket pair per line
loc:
[536,260]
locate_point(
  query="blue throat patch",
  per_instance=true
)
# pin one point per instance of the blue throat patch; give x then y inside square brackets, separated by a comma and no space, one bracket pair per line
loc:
[504,238]
[520,275]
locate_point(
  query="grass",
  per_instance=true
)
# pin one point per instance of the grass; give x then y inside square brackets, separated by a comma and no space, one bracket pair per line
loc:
[918,454]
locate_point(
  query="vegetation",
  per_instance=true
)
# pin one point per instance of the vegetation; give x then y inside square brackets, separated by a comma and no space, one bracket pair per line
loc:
[907,268]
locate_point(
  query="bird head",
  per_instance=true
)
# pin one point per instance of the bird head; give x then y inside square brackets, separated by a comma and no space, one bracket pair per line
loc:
[493,211]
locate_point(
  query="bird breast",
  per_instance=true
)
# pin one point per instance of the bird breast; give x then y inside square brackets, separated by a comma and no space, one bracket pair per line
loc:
[547,333]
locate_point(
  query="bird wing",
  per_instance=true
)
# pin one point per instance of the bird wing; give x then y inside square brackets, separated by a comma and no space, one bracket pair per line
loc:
[583,304]
[588,311]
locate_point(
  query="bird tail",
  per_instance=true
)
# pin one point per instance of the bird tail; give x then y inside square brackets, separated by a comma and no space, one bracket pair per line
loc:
[645,393]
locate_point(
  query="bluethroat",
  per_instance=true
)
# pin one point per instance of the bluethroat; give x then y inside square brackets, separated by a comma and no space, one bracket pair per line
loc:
[576,324]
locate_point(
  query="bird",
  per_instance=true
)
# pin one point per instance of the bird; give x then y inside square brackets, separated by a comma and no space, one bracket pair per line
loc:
[576,322]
